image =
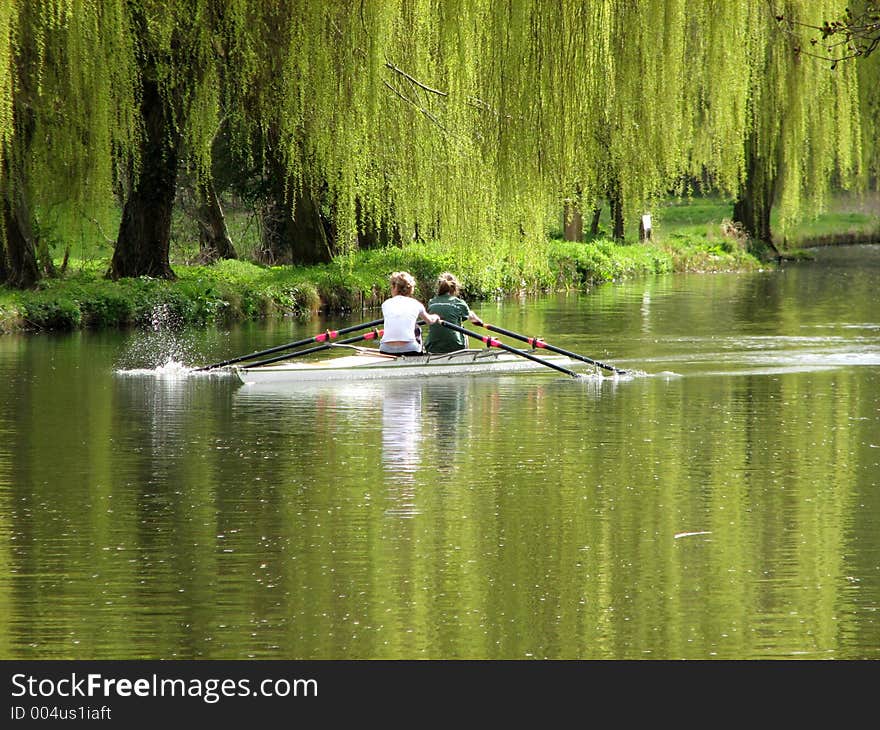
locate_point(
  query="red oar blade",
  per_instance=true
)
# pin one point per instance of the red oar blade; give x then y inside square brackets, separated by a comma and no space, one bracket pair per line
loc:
[538,342]
[492,342]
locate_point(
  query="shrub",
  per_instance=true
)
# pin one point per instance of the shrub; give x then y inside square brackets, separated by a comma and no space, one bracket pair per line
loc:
[106,306]
[231,290]
[51,312]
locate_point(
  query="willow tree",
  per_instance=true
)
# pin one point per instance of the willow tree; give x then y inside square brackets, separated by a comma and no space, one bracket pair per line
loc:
[64,108]
[869,89]
[18,264]
[438,115]
[615,101]
[463,120]
[363,118]
[291,39]
[178,102]
[804,131]
[856,39]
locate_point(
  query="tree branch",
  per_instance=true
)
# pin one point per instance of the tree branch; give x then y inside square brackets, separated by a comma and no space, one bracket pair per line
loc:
[417,106]
[412,80]
[857,33]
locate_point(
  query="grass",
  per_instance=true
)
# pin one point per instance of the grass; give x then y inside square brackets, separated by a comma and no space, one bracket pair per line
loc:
[848,218]
[687,236]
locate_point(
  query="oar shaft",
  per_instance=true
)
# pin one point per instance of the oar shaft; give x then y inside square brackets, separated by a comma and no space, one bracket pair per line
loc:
[375,334]
[492,342]
[321,337]
[538,342]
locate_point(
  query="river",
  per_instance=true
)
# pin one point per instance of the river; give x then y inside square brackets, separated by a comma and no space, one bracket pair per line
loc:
[724,502]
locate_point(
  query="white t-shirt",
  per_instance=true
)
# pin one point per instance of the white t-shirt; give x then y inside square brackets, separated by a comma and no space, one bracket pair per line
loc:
[401,314]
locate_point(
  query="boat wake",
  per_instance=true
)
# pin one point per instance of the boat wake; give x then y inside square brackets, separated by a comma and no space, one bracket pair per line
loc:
[768,355]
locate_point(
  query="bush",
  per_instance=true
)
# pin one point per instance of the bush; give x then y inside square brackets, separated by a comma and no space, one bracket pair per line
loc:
[579,264]
[234,290]
[106,306]
[51,312]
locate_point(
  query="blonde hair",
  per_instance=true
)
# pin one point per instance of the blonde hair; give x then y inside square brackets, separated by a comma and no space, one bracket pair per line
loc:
[447,284]
[404,282]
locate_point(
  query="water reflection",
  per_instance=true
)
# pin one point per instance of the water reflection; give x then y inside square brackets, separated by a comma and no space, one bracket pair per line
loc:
[419,420]
[411,429]
[160,415]
[444,405]
[402,434]
[489,517]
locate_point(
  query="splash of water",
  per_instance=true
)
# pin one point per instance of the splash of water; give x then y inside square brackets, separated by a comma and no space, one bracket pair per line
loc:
[170,370]
[161,348]
[163,317]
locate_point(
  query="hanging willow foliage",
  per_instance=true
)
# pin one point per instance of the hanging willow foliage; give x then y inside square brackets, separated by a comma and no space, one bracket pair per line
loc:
[803,116]
[7,75]
[87,105]
[465,120]
[869,98]
[67,116]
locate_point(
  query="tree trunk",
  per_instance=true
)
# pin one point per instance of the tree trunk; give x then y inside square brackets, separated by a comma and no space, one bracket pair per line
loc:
[573,225]
[295,232]
[615,202]
[19,268]
[26,259]
[143,243]
[594,223]
[755,201]
[214,240]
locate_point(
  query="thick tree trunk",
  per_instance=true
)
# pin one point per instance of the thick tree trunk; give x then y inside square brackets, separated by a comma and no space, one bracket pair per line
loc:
[214,240]
[573,223]
[19,268]
[26,258]
[294,230]
[754,204]
[143,243]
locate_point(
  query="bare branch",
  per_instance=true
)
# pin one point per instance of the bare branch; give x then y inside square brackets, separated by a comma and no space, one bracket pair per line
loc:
[855,35]
[97,224]
[417,106]
[412,80]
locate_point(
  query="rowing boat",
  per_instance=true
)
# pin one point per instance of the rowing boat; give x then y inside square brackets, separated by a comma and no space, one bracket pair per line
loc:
[371,364]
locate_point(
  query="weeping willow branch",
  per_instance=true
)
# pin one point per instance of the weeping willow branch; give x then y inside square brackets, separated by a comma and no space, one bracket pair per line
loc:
[472,101]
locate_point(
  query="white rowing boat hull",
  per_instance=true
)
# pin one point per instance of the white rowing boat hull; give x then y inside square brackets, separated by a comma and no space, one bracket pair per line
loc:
[369,366]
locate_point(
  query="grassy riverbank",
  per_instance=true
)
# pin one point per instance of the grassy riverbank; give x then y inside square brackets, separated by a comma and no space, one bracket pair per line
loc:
[687,237]
[237,290]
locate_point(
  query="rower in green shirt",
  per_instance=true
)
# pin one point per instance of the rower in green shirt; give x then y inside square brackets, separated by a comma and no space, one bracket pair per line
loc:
[451,309]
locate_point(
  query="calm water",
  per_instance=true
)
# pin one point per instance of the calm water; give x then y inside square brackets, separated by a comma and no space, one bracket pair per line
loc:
[724,503]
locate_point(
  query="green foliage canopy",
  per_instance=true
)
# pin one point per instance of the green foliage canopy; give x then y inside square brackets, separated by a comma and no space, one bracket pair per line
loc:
[468,119]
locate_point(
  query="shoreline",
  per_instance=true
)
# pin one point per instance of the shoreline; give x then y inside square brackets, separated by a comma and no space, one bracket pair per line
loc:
[235,291]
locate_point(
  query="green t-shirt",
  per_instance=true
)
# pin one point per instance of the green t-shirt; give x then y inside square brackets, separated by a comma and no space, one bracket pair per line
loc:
[451,309]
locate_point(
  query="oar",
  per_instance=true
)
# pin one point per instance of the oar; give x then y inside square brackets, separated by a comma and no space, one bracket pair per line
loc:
[375,334]
[492,342]
[322,337]
[538,342]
